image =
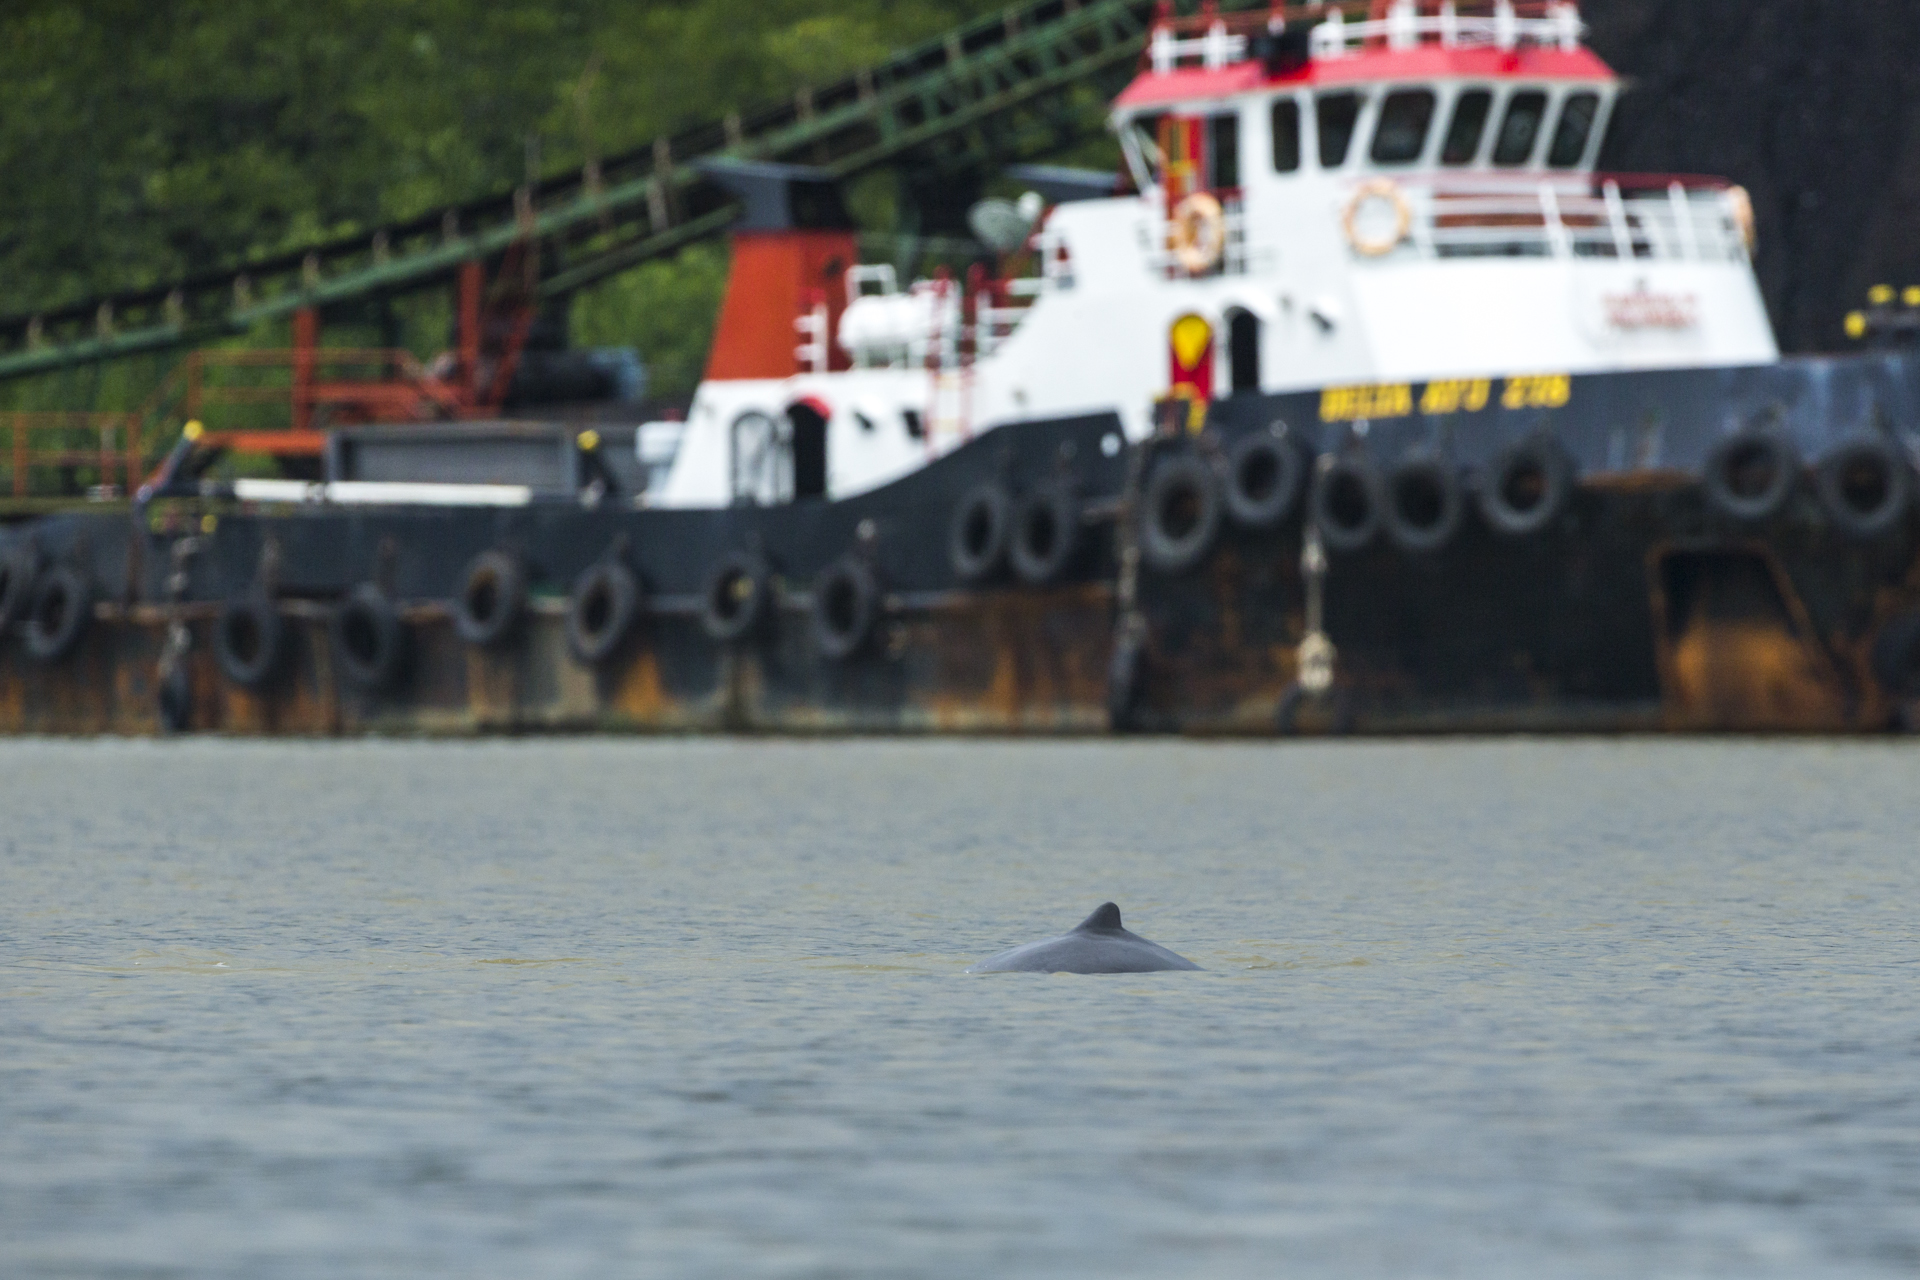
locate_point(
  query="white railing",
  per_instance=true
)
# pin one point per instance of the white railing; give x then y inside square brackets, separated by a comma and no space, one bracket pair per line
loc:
[1406,27]
[1671,222]
[1221,40]
[1216,47]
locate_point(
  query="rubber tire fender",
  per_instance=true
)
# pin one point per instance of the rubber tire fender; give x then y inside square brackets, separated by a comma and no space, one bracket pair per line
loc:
[1045,534]
[978,532]
[1439,477]
[1542,466]
[601,610]
[57,613]
[735,602]
[369,640]
[249,640]
[1831,480]
[1896,656]
[1264,474]
[491,600]
[846,604]
[1745,448]
[16,583]
[1179,514]
[1333,485]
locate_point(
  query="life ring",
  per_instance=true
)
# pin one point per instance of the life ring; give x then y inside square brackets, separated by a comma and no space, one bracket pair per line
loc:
[1377,189]
[369,640]
[1740,206]
[977,534]
[493,594]
[1525,487]
[1865,486]
[1346,503]
[57,613]
[1046,534]
[248,640]
[601,610]
[1197,233]
[1263,478]
[1180,514]
[1423,506]
[1750,474]
[16,584]
[735,600]
[846,601]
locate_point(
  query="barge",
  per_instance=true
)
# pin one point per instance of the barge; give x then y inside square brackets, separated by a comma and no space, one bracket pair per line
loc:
[1360,401]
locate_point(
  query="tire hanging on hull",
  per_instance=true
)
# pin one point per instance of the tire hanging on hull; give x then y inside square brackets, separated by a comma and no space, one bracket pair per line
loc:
[1264,474]
[1865,486]
[369,640]
[57,613]
[1346,503]
[978,533]
[493,595]
[1526,487]
[1749,475]
[1423,503]
[1046,534]
[249,639]
[1179,514]
[601,610]
[735,602]
[846,603]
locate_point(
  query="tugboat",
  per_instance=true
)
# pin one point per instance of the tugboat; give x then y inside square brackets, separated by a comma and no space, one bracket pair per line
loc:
[1358,402]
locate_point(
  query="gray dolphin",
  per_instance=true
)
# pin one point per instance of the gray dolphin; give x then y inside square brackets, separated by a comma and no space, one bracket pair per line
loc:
[1097,945]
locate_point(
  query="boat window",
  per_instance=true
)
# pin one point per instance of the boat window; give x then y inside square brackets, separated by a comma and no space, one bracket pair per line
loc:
[1570,136]
[1470,112]
[1223,141]
[1401,135]
[1520,128]
[1286,135]
[1337,114]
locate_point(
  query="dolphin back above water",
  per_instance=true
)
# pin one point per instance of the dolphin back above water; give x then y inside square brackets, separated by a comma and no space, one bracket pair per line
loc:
[1099,944]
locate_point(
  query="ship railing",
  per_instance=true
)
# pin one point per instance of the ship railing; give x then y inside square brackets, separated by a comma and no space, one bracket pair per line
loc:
[1211,39]
[1624,216]
[1408,26]
[51,453]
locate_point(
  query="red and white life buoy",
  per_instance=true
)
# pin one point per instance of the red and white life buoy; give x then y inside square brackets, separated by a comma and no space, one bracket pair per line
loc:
[1366,241]
[1197,233]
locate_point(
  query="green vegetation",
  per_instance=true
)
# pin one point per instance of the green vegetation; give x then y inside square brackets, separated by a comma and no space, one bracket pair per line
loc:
[145,139]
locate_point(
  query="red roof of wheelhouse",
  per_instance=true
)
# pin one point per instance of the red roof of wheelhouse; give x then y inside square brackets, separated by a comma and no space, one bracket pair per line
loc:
[1430,63]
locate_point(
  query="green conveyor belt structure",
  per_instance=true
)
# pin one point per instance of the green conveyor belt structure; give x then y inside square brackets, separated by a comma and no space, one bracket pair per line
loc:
[990,92]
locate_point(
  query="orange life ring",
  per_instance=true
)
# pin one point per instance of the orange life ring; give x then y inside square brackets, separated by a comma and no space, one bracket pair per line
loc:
[1740,204]
[1377,189]
[1197,233]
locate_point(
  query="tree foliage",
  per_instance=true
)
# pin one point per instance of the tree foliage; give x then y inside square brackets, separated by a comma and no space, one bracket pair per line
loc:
[141,140]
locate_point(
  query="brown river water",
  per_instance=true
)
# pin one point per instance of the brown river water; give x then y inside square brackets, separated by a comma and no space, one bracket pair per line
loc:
[695,1008]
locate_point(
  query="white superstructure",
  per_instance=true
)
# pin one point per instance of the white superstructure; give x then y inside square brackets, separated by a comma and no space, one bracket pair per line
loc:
[1406,199]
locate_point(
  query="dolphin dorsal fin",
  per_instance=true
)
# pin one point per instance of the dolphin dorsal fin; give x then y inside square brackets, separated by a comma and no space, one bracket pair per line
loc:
[1106,919]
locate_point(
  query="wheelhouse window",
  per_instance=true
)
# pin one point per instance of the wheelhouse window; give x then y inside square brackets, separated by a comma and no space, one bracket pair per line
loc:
[1576,125]
[1468,126]
[1336,114]
[1520,128]
[1223,147]
[1401,135]
[1286,135]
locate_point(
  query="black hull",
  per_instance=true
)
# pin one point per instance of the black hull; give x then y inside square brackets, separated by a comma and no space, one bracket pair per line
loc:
[1640,605]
